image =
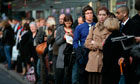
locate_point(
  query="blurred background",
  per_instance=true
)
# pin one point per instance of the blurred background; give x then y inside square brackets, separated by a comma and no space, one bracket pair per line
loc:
[45,8]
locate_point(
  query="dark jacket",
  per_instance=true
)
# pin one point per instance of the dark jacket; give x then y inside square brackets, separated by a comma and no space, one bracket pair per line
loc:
[62,45]
[112,51]
[136,20]
[130,28]
[40,35]
[8,36]
[25,46]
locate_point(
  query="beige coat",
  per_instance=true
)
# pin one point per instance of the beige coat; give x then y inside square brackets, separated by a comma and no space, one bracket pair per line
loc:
[94,42]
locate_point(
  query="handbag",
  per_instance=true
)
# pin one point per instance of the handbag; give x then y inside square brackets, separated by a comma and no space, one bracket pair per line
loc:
[67,54]
[40,48]
[31,74]
[15,53]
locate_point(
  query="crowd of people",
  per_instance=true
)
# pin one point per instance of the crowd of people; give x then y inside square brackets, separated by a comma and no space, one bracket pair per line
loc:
[80,52]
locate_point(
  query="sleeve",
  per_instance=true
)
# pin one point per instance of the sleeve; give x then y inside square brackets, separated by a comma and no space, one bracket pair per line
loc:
[76,37]
[59,37]
[4,36]
[50,39]
[89,42]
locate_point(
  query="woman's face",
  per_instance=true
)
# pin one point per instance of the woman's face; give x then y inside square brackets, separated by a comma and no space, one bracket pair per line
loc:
[68,24]
[33,28]
[102,16]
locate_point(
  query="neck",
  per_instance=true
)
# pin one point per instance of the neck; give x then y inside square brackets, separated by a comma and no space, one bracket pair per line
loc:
[34,33]
[89,21]
[124,19]
[68,27]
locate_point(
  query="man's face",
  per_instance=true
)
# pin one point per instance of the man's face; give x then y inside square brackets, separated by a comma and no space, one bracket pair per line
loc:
[102,16]
[14,21]
[89,15]
[61,19]
[119,14]
[42,23]
[80,20]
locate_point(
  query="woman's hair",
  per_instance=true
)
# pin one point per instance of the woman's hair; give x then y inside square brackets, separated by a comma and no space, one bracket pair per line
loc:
[26,26]
[103,8]
[51,21]
[111,24]
[33,23]
[68,18]
[23,22]
[137,5]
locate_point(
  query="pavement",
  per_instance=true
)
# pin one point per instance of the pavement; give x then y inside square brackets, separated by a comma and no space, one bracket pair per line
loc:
[15,75]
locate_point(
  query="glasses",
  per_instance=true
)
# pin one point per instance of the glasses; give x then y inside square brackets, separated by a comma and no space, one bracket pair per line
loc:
[89,13]
[68,22]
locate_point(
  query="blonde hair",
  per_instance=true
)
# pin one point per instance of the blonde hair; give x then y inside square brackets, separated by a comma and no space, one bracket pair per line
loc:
[111,24]
[4,23]
[37,20]
[23,22]
[51,21]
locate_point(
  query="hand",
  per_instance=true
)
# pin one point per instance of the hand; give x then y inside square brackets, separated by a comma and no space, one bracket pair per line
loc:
[121,60]
[50,62]
[65,36]
[103,42]
[137,39]
[55,34]
[130,59]
[19,36]
[92,42]
[70,34]
[0,33]
[31,59]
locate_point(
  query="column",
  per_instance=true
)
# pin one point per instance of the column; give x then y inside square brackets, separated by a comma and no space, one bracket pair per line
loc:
[34,14]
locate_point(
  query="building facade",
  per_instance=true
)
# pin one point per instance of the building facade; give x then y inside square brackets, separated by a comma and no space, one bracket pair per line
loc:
[45,8]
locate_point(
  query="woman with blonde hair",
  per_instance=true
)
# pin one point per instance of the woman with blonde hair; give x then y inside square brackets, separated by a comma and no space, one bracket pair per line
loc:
[112,51]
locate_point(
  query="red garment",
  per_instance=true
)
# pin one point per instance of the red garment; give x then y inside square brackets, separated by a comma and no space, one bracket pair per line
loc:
[18,27]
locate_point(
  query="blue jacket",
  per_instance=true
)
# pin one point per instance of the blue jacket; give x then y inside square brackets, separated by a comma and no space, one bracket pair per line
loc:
[80,34]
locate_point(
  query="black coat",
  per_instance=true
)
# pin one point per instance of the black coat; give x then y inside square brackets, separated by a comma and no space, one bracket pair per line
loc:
[130,28]
[25,47]
[112,51]
[136,20]
[8,36]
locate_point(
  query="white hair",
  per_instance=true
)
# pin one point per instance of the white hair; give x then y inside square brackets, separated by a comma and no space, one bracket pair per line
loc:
[51,21]
[33,23]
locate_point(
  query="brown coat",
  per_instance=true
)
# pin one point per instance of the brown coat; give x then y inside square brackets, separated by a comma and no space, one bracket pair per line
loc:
[98,35]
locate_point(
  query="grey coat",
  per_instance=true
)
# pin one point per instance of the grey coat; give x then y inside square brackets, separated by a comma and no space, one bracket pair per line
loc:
[62,44]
